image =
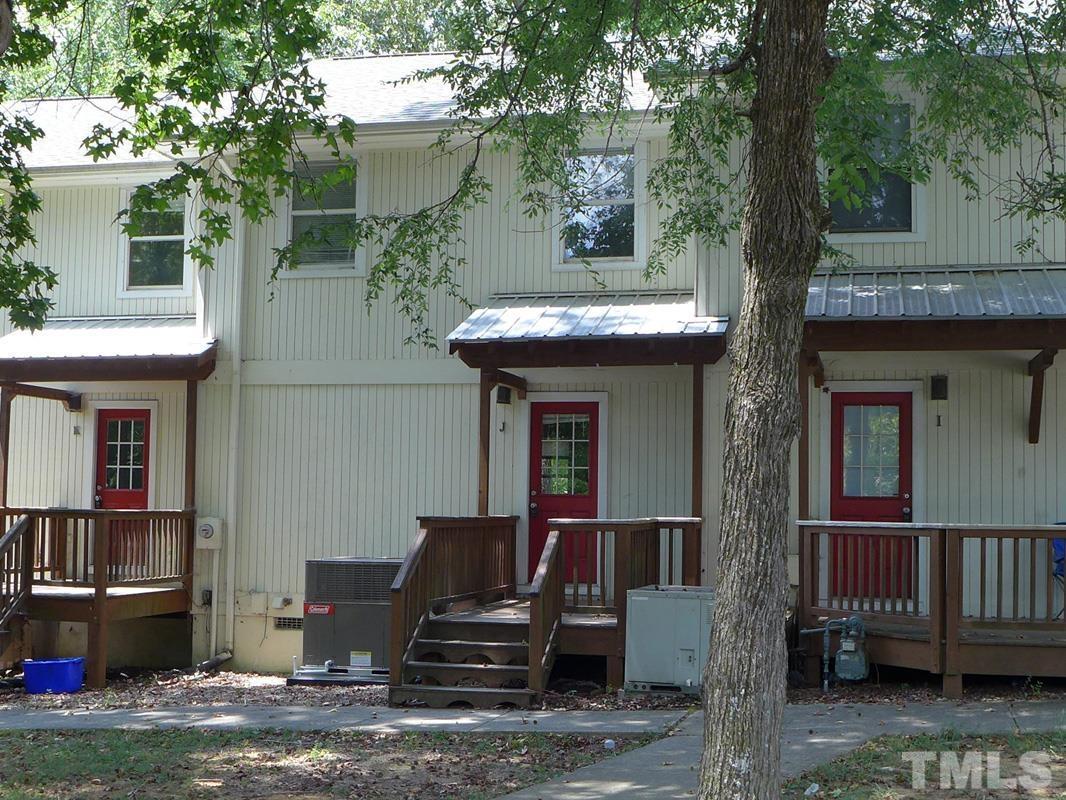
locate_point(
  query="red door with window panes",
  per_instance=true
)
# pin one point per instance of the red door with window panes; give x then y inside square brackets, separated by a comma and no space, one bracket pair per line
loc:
[122,436]
[563,481]
[871,481]
[122,442]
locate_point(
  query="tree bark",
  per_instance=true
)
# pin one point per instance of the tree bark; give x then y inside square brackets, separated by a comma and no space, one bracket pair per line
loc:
[7,23]
[744,680]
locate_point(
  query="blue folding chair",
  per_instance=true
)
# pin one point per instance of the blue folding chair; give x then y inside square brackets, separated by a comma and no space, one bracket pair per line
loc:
[1058,568]
[1058,548]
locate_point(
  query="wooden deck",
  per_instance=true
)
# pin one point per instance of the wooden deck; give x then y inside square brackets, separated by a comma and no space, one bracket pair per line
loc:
[951,600]
[94,566]
[515,611]
[458,618]
[78,603]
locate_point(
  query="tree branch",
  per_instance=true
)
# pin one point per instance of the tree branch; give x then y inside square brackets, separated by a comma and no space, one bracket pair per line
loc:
[751,44]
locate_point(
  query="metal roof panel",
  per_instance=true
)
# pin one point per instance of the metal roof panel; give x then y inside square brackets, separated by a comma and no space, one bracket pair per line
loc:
[970,292]
[622,314]
[107,337]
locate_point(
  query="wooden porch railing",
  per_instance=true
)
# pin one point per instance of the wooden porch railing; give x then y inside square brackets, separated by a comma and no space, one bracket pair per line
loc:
[546,602]
[16,565]
[80,547]
[892,573]
[451,560]
[982,599]
[588,565]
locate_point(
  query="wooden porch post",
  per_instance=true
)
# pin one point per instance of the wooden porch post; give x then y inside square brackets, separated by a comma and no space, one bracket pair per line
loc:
[803,475]
[691,557]
[6,396]
[96,666]
[484,423]
[190,443]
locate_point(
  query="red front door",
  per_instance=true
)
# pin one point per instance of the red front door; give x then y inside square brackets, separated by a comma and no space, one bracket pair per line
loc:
[122,441]
[563,479]
[871,456]
[871,482]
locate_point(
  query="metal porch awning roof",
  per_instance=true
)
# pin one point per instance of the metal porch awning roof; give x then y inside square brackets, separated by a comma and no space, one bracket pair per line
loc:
[604,329]
[108,349]
[990,308]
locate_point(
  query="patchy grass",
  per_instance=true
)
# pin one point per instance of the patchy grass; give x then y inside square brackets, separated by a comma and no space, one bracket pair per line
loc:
[285,764]
[879,771]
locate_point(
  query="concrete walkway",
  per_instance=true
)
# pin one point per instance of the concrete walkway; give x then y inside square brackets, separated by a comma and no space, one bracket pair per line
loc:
[664,770]
[346,718]
[814,734]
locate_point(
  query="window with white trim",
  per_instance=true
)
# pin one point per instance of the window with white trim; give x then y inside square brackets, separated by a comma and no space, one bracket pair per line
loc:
[887,204]
[323,220]
[606,226]
[155,259]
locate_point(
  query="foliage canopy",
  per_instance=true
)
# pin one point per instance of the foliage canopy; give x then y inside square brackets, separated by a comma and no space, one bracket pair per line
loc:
[225,87]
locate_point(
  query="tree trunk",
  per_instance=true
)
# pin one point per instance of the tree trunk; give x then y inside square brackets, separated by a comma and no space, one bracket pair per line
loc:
[744,680]
[6,25]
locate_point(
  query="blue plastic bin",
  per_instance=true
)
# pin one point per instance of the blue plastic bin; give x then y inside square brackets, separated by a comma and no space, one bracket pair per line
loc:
[53,675]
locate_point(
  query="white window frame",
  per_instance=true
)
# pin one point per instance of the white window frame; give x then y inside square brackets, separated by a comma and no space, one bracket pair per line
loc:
[640,217]
[917,233]
[127,292]
[358,267]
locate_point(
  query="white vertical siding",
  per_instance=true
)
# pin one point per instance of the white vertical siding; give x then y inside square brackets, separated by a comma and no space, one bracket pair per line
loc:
[77,235]
[957,231]
[326,318]
[50,465]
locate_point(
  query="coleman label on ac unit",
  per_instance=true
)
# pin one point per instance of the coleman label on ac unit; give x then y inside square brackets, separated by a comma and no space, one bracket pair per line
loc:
[359,658]
[323,609]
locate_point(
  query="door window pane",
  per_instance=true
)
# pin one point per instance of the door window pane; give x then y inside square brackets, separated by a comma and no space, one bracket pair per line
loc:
[124,454]
[870,450]
[564,451]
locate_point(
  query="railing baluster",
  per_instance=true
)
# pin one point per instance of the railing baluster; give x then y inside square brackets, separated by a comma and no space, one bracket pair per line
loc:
[999,577]
[1032,580]
[1014,582]
[982,586]
[881,569]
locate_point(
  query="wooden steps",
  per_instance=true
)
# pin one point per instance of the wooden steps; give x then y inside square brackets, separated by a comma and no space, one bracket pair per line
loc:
[477,658]
[460,697]
[459,651]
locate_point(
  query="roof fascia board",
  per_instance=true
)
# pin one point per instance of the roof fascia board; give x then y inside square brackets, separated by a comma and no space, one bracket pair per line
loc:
[102,173]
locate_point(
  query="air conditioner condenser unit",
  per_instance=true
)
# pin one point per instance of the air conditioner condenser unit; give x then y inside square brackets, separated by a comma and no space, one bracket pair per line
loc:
[347,604]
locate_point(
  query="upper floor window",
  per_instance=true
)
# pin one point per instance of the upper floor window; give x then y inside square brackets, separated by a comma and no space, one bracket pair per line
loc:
[320,224]
[154,262]
[606,227]
[888,203]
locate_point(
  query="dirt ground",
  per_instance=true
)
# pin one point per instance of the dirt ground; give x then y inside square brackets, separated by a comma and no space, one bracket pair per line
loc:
[271,765]
[178,688]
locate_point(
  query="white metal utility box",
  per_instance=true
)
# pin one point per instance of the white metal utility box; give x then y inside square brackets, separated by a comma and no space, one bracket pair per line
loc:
[668,629]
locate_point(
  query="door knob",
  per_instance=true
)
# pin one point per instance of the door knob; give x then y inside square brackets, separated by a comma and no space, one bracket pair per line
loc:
[906,513]
[533,508]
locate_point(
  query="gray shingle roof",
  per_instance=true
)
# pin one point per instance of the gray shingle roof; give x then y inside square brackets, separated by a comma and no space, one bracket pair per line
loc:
[958,292]
[532,317]
[362,88]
